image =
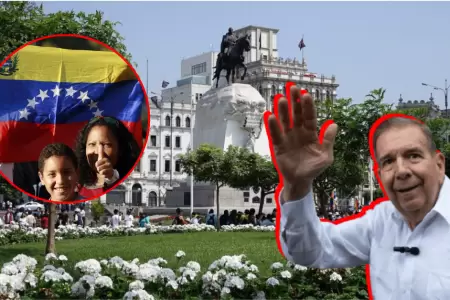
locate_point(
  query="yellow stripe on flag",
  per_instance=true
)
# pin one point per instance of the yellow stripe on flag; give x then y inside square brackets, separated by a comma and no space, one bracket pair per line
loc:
[60,65]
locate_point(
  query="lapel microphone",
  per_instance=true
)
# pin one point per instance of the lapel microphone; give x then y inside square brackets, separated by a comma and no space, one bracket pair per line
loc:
[412,250]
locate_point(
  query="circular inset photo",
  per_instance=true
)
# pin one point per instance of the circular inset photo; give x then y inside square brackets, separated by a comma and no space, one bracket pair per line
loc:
[74,119]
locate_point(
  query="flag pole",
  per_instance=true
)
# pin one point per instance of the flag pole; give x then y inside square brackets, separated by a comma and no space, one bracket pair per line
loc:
[303,52]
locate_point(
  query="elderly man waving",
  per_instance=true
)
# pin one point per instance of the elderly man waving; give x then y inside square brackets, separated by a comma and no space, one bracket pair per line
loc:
[405,240]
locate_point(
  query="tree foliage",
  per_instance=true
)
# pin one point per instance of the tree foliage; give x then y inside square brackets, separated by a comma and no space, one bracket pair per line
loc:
[351,150]
[257,172]
[97,209]
[211,164]
[8,191]
[25,21]
[236,167]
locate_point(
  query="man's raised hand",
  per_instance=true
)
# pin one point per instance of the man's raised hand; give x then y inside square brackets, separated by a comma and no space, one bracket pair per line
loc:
[297,150]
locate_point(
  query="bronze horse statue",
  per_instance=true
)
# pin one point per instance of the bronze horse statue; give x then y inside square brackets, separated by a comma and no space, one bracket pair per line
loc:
[234,59]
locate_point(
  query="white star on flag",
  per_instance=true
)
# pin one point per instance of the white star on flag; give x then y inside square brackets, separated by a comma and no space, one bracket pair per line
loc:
[56,91]
[32,103]
[43,95]
[70,92]
[93,105]
[83,96]
[98,113]
[24,114]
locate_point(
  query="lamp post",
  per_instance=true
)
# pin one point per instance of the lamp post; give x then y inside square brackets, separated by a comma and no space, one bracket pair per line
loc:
[445,90]
[160,147]
[192,148]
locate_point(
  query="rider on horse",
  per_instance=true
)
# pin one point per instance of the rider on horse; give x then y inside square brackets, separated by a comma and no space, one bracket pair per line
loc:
[228,41]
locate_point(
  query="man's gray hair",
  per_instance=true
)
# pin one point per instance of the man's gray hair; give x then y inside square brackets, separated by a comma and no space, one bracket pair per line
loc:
[399,122]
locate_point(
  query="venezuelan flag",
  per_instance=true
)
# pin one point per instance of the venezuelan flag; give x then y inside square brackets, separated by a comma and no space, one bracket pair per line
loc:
[49,94]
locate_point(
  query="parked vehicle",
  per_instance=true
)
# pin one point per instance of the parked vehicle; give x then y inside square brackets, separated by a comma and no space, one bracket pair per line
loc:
[31,206]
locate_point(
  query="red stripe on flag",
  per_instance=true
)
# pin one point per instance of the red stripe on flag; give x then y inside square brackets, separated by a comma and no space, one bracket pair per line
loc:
[23,142]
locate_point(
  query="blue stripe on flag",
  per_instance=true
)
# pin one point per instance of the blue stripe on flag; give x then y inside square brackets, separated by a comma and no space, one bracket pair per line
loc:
[62,103]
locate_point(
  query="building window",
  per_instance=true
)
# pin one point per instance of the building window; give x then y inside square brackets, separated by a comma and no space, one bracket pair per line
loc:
[268,200]
[167,121]
[153,165]
[255,199]
[167,144]
[198,69]
[178,122]
[328,95]
[246,196]
[188,122]
[167,166]
[317,94]
[153,140]
[177,166]
[177,142]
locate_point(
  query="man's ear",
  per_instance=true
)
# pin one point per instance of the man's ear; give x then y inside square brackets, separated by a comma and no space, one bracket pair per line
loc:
[41,177]
[440,162]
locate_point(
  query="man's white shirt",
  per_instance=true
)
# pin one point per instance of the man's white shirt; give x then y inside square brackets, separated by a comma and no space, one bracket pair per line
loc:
[129,220]
[115,220]
[370,239]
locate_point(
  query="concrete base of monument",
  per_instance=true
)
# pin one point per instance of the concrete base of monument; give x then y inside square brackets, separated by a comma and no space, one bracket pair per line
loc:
[229,115]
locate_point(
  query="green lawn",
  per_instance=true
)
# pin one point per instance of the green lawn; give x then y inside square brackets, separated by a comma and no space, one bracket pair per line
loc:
[203,247]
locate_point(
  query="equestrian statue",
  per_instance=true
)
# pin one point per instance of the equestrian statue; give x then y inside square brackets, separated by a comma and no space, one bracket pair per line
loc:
[231,56]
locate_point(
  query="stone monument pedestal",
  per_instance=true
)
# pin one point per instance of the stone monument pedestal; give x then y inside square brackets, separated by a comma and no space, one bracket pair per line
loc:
[229,115]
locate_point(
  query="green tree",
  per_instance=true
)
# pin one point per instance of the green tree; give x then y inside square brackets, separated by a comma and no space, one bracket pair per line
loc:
[97,210]
[256,172]
[211,164]
[25,21]
[351,150]
[8,191]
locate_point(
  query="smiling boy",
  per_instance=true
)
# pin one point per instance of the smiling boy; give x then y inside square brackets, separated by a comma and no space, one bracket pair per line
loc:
[58,172]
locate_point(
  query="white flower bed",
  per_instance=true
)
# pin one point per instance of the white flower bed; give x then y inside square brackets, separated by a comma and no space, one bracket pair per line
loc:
[15,234]
[230,277]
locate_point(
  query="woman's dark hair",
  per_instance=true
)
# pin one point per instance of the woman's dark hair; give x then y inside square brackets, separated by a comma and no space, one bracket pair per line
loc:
[129,149]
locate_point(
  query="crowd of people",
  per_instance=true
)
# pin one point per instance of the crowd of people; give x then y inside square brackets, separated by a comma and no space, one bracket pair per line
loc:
[76,214]
[40,217]
[235,217]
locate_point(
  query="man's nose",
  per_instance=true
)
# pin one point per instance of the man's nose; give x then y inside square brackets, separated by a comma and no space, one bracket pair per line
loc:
[403,171]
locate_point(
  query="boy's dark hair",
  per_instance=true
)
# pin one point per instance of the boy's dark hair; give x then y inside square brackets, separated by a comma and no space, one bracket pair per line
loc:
[56,149]
[129,149]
